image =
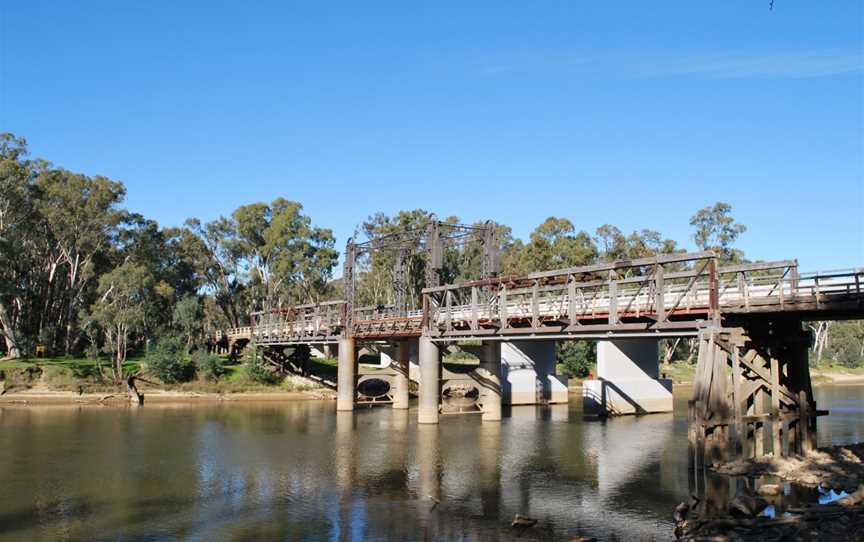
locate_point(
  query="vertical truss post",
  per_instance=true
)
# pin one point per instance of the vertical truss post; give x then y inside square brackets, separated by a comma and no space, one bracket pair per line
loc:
[659,293]
[475,319]
[713,290]
[434,254]
[535,304]
[613,298]
[400,284]
[491,251]
[348,280]
[502,306]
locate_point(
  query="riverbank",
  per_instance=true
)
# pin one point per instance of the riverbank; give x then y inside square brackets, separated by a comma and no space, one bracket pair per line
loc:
[77,381]
[49,397]
[835,467]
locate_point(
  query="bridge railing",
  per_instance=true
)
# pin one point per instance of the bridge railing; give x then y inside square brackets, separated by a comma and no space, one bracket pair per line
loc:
[309,321]
[666,292]
[605,294]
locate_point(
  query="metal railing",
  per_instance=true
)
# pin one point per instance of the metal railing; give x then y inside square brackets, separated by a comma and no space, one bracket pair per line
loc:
[675,291]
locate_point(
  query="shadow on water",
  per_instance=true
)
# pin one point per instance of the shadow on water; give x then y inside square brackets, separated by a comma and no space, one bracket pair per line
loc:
[302,471]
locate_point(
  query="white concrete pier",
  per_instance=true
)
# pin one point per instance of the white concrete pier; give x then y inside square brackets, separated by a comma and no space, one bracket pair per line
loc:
[627,380]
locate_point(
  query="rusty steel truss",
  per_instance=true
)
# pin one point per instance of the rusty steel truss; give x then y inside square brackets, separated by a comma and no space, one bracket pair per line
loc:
[670,295]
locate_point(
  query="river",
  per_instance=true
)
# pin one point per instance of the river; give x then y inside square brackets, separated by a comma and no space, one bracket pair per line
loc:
[300,471]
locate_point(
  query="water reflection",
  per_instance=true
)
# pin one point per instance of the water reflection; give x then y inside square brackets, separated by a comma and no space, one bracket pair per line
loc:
[299,471]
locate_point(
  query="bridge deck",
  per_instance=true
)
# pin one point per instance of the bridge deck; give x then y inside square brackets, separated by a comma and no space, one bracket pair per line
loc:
[667,295]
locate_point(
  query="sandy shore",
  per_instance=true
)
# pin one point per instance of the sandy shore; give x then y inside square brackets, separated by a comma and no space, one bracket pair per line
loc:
[41,397]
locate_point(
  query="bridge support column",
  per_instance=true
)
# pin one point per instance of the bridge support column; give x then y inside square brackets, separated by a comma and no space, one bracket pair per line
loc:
[401,380]
[528,373]
[751,393]
[347,377]
[489,374]
[627,380]
[430,380]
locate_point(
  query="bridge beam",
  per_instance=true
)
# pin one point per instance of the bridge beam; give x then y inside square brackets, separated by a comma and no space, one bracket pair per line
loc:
[627,380]
[489,374]
[400,381]
[347,377]
[430,380]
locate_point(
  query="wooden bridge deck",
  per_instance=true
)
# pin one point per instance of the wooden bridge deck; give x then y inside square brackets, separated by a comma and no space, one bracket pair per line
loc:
[672,295]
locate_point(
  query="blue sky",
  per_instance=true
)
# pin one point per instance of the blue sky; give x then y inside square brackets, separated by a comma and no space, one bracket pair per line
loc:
[631,113]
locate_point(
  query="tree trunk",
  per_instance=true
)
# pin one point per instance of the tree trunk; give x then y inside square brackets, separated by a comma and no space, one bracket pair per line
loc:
[120,354]
[12,349]
[135,396]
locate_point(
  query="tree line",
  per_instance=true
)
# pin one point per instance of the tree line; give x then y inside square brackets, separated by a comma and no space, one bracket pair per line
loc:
[82,275]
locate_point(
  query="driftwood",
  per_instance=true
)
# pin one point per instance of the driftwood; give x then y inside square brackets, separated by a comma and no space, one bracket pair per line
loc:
[840,520]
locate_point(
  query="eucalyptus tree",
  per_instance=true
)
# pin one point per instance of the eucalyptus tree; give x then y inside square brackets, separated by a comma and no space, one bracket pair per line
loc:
[82,215]
[217,263]
[269,254]
[15,234]
[554,244]
[128,297]
[716,229]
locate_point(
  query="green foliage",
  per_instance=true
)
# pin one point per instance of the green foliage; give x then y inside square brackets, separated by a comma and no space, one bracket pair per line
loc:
[209,366]
[257,369]
[187,318]
[846,343]
[577,357]
[554,244]
[717,230]
[167,361]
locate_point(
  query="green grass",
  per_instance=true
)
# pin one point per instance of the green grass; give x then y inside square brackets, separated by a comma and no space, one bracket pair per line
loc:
[75,364]
[81,374]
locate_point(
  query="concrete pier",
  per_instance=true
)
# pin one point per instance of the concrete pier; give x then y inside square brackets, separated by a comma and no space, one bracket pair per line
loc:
[489,374]
[400,381]
[430,380]
[347,378]
[627,379]
[528,373]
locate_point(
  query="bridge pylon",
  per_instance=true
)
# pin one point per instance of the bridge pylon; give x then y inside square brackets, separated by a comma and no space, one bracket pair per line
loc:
[752,393]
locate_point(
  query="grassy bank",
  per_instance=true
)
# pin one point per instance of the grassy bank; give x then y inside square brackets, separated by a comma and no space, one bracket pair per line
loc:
[86,376]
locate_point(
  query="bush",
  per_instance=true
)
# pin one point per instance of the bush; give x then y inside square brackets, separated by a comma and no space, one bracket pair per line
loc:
[577,357]
[257,369]
[166,362]
[208,366]
[59,378]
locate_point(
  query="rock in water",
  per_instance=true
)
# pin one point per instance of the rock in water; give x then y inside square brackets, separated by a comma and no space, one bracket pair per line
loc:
[523,521]
[769,490]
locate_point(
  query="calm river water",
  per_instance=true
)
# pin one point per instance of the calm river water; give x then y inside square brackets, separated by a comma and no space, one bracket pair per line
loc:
[299,471]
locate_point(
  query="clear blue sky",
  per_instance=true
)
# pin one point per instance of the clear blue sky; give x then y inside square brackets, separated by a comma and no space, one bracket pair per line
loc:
[632,113]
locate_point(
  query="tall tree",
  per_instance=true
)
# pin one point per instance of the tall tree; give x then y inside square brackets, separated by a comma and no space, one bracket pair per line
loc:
[15,235]
[554,244]
[82,214]
[126,298]
[715,229]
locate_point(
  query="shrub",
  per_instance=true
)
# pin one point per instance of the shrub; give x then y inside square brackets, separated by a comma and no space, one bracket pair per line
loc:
[577,357]
[257,368]
[208,366]
[166,362]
